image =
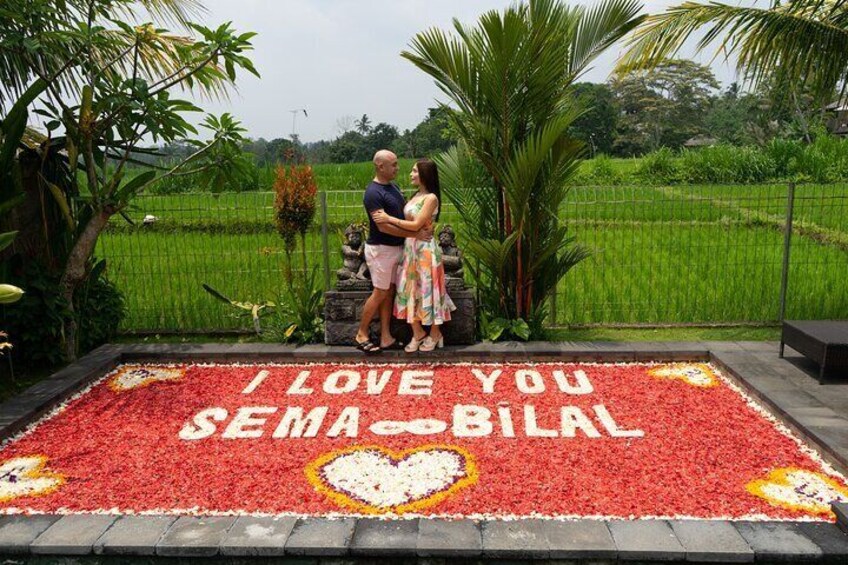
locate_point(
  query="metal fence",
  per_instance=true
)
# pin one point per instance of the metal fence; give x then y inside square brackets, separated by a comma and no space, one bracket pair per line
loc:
[661,255]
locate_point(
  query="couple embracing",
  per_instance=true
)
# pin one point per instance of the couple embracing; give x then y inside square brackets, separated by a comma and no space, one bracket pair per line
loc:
[404,260]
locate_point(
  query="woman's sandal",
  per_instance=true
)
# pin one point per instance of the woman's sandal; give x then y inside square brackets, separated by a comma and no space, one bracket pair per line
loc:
[429,344]
[368,347]
[393,346]
[414,344]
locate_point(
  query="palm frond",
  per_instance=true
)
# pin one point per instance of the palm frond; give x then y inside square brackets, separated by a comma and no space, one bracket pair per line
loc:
[805,41]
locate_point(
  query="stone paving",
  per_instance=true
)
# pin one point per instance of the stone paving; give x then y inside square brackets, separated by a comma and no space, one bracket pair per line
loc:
[788,387]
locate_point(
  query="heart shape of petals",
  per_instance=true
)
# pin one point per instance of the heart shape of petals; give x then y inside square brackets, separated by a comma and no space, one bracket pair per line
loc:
[25,476]
[131,377]
[799,489]
[377,480]
[695,374]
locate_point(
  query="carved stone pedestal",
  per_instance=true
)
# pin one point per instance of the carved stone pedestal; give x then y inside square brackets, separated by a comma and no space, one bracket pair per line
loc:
[343,309]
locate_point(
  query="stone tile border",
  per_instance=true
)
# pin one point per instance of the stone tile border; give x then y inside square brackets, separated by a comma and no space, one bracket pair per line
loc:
[754,366]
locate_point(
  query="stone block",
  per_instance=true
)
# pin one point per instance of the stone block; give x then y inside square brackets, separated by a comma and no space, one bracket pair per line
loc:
[646,540]
[258,537]
[192,536]
[712,541]
[841,511]
[321,537]
[134,535]
[449,538]
[261,353]
[340,333]
[832,541]
[343,311]
[340,310]
[580,539]
[760,346]
[515,539]
[72,535]
[17,532]
[376,538]
[778,541]
[725,346]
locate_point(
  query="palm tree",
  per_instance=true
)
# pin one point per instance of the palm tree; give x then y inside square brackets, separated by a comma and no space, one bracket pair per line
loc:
[363,125]
[510,81]
[799,43]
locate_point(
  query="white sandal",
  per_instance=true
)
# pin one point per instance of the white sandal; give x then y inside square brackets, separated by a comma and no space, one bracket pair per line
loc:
[414,344]
[429,344]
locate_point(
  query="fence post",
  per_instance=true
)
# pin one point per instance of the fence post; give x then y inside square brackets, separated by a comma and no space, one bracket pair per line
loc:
[787,243]
[325,242]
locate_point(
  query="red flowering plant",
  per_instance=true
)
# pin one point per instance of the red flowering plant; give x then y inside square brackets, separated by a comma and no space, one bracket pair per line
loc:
[294,206]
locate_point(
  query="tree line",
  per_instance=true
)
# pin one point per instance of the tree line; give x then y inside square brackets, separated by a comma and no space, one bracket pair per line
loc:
[675,104]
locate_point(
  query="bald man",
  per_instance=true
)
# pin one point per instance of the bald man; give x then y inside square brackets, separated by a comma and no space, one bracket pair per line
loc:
[383,252]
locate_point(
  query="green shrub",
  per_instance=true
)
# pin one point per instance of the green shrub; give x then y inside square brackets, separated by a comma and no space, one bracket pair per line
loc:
[786,154]
[725,164]
[299,318]
[659,167]
[824,160]
[101,311]
[601,172]
[34,323]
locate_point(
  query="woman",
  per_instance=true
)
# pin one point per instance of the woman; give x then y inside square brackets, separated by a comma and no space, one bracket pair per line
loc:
[421,299]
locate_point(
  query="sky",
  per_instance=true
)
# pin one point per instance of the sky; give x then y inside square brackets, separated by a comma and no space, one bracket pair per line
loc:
[338,58]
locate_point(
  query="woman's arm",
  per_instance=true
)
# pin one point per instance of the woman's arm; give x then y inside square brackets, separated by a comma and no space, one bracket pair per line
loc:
[424,217]
[396,231]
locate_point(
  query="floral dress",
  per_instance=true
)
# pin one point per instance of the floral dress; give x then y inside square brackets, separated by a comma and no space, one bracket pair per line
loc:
[421,295]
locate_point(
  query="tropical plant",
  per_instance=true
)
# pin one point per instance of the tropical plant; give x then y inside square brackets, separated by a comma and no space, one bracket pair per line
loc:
[300,317]
[799,43]
[294,206]
[510,79]
[109,85]
[9,294]
[253,309]
[363,124]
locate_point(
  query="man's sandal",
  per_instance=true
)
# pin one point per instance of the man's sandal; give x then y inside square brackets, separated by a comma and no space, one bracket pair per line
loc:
[368,347]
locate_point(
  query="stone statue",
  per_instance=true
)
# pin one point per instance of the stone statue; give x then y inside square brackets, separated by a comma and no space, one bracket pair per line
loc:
[354,274]
[451,258]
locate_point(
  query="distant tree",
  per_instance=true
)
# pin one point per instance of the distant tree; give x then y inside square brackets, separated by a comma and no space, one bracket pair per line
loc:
[663,106]
[363,124]
[736,117]
[347,148]
[430,137]
[382,136]
[596,126]
[344,124]
[278,150]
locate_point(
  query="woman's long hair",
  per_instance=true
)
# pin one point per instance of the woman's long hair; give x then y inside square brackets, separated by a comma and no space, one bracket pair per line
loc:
[428,175]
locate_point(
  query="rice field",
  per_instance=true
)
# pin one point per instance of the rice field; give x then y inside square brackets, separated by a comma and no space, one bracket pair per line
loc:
[687,254]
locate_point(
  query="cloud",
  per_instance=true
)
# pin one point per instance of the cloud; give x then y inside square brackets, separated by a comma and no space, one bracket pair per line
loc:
[342,57]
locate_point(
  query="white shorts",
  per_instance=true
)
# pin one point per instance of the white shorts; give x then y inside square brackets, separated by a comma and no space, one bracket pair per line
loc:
[383,261]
